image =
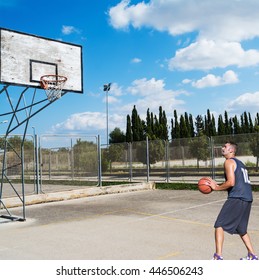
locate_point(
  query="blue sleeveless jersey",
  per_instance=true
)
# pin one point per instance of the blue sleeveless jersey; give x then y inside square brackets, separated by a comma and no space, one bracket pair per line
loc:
[242,188]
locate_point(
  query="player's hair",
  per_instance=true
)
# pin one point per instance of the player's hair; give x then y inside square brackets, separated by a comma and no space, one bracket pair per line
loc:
[233,145]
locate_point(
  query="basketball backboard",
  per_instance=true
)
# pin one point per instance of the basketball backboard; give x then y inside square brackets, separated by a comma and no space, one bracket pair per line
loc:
[24,58]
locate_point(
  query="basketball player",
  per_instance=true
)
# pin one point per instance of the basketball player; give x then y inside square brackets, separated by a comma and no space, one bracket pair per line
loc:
[234,215]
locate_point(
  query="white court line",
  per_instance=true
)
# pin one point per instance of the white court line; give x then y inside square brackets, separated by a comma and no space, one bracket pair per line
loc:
[182,209]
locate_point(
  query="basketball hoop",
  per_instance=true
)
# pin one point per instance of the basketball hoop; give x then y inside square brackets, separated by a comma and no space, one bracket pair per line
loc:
[53,85]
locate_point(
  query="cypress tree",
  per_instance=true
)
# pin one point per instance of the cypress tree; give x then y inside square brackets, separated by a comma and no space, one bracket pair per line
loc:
[227,124]
[256,125]
[128,130]
[176,126]
[210,125]
[183,128]
[152,125]
[245,127]
[172,130]
[164,126]
[231,125]
[242,124]
[236,126]
[156,128]
[251,126]
[221,126]
[192,132]
[137,129]
[149,131]
[186,119]
[142,128]
[214,131]
[199,125]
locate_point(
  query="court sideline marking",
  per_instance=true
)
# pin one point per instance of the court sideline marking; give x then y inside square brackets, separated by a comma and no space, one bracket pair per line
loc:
[178,210]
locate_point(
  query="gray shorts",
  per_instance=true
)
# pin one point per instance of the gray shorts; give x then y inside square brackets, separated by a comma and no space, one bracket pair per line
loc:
[234,216]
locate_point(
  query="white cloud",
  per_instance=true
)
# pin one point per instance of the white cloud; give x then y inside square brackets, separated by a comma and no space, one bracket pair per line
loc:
[226,20]
[220,25]
[229,77]
[82,121]
[111,99]
[151,94]
[113,94]
[205,55]
[67,30]
[122,14]
[186,81]
[90,122]
[245,102]
[136,60]
[148,93]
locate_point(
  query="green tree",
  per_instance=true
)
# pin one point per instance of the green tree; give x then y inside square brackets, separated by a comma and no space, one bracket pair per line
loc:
[236,126]
[149,130]
[192,132]
[254,146]
[163,131]
[227,124]
[251,126]
[135,121]
[256,123]
[199,125]
[85,155]
[183,128]
[117,136]
[175,134]
[116,153]
[210,128]
[129,137]
[199,148]
[245,123]
[221,126]
[156,151]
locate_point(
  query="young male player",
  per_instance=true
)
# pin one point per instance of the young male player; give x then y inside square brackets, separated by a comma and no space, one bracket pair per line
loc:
[234,215]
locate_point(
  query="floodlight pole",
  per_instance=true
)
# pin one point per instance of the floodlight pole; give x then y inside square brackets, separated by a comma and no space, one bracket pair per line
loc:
[106,88]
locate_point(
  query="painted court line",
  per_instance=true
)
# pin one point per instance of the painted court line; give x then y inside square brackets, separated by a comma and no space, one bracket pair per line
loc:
[182,209]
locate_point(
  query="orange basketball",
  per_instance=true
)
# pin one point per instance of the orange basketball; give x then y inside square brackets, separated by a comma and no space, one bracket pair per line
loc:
[203,186]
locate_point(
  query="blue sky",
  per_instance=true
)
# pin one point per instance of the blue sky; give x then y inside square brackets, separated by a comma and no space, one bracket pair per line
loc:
[188,55]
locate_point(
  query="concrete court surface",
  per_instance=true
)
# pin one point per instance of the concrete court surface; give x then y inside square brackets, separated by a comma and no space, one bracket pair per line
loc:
[140,225]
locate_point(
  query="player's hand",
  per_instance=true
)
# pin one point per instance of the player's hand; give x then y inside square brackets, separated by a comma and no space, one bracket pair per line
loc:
[213,184]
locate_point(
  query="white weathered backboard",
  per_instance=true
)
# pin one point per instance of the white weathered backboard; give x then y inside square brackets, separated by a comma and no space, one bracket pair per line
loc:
[24,58]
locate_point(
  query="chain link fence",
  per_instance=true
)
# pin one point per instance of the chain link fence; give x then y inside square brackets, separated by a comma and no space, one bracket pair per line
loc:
[69,159]
[179,160]
[18,162]
[66,162]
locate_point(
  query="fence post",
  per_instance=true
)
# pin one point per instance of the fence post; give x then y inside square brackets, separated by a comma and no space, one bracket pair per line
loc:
[211,141]
[167,160]
[147,155]
[99,161]
[37,190]
[130,160]
[72,159]
[40,165]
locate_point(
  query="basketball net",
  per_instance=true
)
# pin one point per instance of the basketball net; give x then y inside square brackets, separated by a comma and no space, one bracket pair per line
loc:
[53,85]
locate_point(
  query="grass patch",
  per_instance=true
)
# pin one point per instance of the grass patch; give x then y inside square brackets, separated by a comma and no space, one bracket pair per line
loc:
[72,182]
[176,186]
[161,186]
[187,186]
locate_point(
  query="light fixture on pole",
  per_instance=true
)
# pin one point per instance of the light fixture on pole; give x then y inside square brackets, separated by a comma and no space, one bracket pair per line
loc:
[106,88]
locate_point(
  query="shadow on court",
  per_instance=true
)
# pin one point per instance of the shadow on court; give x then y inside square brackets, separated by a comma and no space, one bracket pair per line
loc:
[150,225]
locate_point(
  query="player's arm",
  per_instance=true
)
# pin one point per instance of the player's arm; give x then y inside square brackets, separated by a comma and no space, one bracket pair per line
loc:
[229,167]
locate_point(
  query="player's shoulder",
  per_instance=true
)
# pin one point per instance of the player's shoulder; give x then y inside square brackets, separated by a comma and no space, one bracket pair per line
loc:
[230,162]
